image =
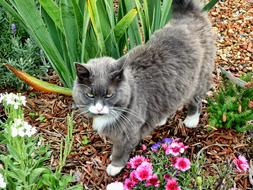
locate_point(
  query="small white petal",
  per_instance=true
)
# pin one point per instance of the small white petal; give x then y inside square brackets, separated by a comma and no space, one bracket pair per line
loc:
[14,132]
[1,97]
[18,122]
[23,100]
[2,184]
[16,105]
[33,130]
[21,131]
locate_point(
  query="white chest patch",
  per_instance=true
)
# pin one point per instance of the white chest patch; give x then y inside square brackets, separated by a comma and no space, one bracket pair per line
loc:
[100,122]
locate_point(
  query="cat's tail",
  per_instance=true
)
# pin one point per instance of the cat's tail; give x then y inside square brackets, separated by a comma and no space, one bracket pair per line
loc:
[184,7]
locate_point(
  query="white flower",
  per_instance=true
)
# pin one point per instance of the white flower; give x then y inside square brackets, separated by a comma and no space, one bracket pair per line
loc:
[23,100]
[16,105]
[14,131]
[2,182]
[1,97]
[18,122]
[21,131]
[22,128]
[115,186]
[32,132]
[10,99]
[13,99]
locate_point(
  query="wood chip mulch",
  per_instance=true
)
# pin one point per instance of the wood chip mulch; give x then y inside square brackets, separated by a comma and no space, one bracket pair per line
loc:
[233,24]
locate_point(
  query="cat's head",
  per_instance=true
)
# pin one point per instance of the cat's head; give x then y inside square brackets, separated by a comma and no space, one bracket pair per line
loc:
[101,87]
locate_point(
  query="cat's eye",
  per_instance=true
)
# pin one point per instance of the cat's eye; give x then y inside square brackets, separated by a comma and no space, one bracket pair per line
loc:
[90,95]
[109,95]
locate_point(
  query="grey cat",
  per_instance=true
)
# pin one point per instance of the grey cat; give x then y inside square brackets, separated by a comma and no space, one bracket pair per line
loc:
[127,98]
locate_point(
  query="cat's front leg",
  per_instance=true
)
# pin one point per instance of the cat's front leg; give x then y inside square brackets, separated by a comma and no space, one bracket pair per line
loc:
[120,155]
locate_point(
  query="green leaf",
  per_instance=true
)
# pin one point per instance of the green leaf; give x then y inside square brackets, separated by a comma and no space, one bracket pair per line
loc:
[86,19]
[36,173]
[94,15]
[71,38]
[210,5]
[133,33]
[166,10]
[53,11]
[124,23]
[13,152]
[39,84]
[85,140]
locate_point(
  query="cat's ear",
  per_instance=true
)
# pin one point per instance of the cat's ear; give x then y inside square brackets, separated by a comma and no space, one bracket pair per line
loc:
[82,72]
[117,76]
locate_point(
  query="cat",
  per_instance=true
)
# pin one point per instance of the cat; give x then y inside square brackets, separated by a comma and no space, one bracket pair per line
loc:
[127,98]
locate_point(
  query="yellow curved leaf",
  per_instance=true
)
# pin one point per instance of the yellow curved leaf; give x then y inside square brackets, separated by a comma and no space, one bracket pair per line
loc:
[38,84]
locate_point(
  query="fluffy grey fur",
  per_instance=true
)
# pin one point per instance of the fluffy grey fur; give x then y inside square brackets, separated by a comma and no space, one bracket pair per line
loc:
[147,85]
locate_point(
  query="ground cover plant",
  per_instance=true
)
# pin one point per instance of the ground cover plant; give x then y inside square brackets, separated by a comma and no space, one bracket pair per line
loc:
[231,106]
[20,51]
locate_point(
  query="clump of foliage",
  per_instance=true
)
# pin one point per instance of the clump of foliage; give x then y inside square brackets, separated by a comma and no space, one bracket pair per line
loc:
[231,107]
[23,158]
[18,50]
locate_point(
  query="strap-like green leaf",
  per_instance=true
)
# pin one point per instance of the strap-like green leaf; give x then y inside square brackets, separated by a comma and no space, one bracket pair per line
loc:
[94,15]
[166,9]
[71,34]
[210,5]
[53,11]
[124,23]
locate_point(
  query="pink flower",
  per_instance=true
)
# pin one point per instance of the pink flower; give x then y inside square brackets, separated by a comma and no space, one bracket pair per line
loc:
[175,148]
[172,185]
[143,147]
[152,181]
[166,177]
[115,186]
[182,164]
[133,177]
[241,163]
[136,161]
[144,171]
[128,184]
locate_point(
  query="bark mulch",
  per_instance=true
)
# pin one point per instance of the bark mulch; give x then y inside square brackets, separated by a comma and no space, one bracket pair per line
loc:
[232,22]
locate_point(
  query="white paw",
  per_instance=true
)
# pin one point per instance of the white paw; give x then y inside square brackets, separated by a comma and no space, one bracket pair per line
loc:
[163,122]
[113,170]
[192,121]
[110,157]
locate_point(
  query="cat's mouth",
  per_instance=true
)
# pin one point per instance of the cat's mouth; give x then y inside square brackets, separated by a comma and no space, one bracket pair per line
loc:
[100,114]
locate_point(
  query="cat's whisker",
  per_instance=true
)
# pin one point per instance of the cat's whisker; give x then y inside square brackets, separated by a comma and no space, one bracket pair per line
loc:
[129,112]
[81,106]
[119,126]
[116,125]
[127,120]
[123,129]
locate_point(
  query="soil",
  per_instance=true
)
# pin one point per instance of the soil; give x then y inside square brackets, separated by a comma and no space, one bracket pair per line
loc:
[232,22]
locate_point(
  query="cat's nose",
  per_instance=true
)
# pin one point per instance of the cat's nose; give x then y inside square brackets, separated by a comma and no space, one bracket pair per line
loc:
[99,107]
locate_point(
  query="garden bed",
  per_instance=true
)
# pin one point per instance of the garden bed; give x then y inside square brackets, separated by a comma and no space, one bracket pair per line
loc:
[232,21]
